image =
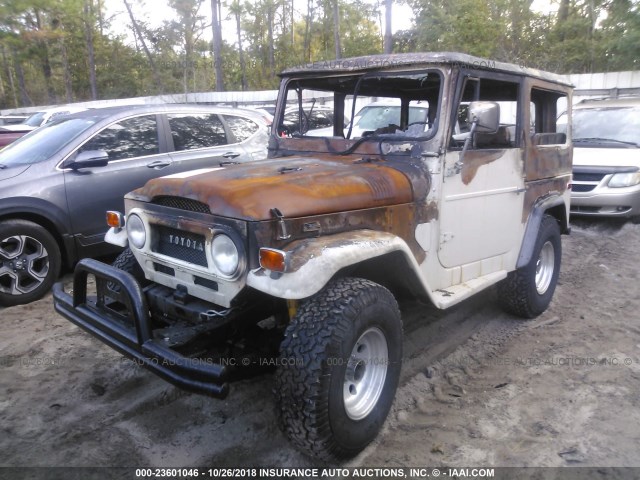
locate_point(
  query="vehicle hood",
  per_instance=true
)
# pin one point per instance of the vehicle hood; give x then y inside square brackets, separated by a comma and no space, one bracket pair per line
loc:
[606,157]
[297,186]
[7,173]
[16,128]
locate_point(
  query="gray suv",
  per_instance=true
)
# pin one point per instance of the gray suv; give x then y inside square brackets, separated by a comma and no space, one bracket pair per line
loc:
[57,182]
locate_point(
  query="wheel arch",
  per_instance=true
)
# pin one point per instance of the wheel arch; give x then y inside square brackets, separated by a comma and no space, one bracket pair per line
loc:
[554,206]
[48,222]
[380,257]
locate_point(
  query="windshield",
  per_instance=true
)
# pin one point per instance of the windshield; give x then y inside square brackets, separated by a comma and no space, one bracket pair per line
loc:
[397,105]
[620,124]
[35,120]
[44,142]
[372,117]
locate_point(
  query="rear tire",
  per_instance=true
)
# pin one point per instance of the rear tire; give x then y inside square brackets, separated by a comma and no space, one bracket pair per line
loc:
[30,262]
[527,292]
[339,368]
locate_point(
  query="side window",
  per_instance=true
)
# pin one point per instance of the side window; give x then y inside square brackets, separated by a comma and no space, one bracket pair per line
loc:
[546,107]
[241,128]
[133,137]
[195,130]
[505,94]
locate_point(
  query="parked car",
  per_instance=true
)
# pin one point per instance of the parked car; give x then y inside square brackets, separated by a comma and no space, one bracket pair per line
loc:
[314,117]
[379,114]
[12,119]
[57,182]
[606,165]
[10,133]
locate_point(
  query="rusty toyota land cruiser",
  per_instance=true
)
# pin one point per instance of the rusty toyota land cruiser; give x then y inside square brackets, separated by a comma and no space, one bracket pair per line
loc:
[456,179]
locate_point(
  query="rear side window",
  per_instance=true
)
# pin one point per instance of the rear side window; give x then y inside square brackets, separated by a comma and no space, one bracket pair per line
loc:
[130,138]
[196,130]
[241,128]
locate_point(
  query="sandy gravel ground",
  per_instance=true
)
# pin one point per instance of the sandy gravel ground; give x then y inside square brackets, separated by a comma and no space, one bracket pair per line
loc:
[479,387]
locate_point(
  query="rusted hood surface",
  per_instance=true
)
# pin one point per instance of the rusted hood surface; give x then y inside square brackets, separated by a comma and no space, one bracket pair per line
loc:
[296,186]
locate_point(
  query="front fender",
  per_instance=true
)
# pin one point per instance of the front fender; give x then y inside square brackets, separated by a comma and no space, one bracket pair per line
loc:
[117,236]
[313,262]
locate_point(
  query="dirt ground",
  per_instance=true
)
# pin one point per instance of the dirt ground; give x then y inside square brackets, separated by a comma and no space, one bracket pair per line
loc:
[479,387]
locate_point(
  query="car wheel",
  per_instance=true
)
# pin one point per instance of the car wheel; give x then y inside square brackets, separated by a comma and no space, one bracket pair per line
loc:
[30,262]
[339,368]
[527,291]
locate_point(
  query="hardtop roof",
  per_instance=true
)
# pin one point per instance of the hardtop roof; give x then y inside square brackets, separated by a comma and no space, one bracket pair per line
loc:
[396,61]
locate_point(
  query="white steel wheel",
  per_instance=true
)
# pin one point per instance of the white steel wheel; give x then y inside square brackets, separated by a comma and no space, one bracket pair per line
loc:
[365,374]
[545,266]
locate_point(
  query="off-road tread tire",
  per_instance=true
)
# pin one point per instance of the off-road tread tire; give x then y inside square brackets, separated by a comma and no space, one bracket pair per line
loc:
[302,391]
[517,293]
[127,262]
[26,227]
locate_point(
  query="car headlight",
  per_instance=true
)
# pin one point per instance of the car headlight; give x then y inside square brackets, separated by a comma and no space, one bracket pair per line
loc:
[624,180]
[225,255]
[136,231]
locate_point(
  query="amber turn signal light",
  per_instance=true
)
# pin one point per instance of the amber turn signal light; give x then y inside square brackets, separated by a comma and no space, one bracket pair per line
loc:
[115,219]
[272,259]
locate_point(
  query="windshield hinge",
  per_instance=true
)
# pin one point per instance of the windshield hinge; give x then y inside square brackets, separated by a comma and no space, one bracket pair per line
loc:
[283,234]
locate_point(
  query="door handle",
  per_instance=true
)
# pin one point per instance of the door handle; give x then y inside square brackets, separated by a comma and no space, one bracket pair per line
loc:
[231,155]
[158,164]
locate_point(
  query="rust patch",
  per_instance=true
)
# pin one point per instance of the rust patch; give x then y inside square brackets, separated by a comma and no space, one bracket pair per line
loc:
[308,186]
[283,146]
[474,159]
[540,189]
[547,161]
[401,220]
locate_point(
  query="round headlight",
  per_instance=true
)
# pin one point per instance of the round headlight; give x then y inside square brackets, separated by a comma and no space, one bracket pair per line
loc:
[225,255]
[136,231]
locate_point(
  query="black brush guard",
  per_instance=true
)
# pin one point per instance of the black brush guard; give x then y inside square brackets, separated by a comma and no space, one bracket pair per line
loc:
[137,343]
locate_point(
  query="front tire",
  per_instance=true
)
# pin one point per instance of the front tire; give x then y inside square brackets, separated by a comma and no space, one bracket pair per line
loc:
[339,368]
[527,292]
[30,262]
[126,261]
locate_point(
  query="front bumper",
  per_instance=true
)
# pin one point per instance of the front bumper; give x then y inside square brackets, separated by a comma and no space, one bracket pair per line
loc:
[607,202]
[132,336]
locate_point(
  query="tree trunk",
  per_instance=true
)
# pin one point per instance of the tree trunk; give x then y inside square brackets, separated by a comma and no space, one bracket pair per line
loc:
[307,31]
[336,29]
[388,37]
[88,35]
[12,85]
[243,67]
[216,28]
[45,64]
[68,87]
[156,76]
[24,96]
[270,47]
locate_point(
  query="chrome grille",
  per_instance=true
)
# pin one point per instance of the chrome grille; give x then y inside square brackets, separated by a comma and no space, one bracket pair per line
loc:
[185,246]
[182,204]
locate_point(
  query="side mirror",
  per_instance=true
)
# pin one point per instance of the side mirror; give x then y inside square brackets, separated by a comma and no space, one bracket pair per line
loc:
[485,116]
[90,159]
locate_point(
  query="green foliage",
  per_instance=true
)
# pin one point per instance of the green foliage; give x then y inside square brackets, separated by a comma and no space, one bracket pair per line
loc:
[44,44]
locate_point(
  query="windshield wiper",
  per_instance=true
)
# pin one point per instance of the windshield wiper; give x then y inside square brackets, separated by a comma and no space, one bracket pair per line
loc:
[598,139]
